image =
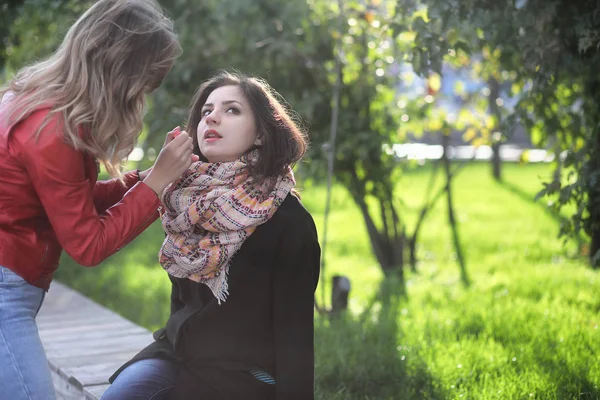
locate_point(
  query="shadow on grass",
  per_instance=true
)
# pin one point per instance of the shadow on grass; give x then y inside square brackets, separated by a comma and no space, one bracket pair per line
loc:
[529,198]
[570,380]
[362,356]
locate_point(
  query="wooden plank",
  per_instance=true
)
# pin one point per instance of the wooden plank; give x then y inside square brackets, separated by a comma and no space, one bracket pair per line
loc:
[47,332]
[82,360]
[93,374]
[58,336]
[85,342]
[62,315]
[94,392]
[87,346]
[81,322]
[65,390]
[125,344]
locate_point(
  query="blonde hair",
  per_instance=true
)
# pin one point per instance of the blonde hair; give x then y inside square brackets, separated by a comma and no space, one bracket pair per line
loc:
[114,54]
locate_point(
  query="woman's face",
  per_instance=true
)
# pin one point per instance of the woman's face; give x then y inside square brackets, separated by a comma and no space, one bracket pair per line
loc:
[227,129]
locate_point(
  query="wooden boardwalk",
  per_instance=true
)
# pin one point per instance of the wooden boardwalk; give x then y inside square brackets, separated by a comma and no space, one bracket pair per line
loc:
[85,342]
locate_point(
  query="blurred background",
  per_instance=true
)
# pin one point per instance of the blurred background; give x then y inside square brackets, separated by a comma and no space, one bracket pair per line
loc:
[453,175]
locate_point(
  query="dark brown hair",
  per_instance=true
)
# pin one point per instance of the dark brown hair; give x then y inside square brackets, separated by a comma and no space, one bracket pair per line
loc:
[283,141]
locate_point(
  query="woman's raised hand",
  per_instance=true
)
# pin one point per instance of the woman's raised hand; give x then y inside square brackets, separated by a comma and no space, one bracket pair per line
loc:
[174,158]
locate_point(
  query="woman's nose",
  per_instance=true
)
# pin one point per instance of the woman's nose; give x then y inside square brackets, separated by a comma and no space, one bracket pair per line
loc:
[212,118]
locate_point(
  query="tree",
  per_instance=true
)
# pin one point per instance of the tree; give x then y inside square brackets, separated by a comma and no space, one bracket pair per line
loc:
[34,29]
[9,11]
[551,49]
[291,44]
[273,39]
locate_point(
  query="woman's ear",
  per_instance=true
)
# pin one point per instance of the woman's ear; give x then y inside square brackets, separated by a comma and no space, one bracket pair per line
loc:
[258,141]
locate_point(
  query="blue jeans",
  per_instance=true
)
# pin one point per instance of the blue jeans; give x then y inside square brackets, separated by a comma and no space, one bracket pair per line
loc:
[150,379]
[24,370]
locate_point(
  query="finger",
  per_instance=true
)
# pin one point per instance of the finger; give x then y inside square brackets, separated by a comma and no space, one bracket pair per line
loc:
[180,141]
[184,151]
[172,135]
[188,154]
[195,158]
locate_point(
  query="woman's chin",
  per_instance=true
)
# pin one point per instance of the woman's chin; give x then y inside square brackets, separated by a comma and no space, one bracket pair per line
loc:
[221,158]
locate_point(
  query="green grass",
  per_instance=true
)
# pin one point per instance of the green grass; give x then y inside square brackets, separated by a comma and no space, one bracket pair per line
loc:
[527,327]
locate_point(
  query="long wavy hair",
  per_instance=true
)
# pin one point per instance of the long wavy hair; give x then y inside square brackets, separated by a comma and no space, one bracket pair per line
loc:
[114,54]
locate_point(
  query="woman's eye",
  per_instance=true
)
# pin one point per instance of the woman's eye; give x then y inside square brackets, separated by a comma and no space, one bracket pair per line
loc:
[233,110]
[205,113]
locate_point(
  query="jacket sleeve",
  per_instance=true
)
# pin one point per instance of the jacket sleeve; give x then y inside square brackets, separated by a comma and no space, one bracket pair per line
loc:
[295,280]
[109,192]
[58,175]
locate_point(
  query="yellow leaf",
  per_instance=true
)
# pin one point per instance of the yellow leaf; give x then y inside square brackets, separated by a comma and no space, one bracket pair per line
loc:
[434,82]
[435,124]
[469,134]
[407,37]
[459,88]
[478,142]
[515,88]
[464,116]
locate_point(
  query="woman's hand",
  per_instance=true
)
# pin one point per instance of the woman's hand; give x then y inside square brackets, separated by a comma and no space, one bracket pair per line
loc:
[176,132]
[170,136]
[174,158]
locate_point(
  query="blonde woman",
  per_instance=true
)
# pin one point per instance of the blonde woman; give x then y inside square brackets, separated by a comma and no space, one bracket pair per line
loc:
[58,119]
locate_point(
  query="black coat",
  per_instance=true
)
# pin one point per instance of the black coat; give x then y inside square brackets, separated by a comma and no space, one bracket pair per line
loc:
[265,323]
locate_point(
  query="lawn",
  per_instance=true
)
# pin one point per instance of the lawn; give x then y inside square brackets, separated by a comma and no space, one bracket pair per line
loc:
[526,328]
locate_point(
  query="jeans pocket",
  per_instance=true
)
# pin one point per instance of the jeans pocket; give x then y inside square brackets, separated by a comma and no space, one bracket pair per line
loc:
[9,278]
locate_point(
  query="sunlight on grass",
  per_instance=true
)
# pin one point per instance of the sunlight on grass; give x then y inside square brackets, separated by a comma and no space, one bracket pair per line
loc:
[527,328]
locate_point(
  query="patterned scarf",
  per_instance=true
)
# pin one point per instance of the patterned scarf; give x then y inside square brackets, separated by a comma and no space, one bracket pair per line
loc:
[208,214]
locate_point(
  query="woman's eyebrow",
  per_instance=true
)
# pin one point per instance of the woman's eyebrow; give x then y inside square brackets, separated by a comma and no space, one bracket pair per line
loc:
[226,102]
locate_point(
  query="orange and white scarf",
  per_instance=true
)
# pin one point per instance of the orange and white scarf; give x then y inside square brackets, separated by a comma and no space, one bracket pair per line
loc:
[208,214]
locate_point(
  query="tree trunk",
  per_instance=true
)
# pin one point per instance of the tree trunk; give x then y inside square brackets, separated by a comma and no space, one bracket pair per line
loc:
[428,205]
[496,162]
[594,248]
[593,206]
[593,167]
[389,251]
[451,218]
[494,87]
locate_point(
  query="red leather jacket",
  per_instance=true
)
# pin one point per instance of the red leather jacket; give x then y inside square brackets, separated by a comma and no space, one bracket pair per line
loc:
[50,200]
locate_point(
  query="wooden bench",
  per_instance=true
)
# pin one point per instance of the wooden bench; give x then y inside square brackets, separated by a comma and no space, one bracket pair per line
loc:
[85,342]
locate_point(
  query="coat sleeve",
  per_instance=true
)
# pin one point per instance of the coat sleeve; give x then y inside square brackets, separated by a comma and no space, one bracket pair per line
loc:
[295,278]
[109,192]
[58,175]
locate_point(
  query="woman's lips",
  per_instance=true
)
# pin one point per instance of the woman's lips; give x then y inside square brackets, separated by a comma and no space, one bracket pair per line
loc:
[211,135]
